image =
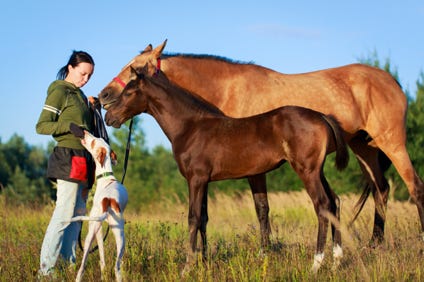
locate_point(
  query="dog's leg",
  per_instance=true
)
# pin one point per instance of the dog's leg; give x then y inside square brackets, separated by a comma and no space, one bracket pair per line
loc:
[99,236]
[92,230]
[117,222]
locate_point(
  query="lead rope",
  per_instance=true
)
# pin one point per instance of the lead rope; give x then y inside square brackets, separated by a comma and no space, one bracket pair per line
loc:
[127,151]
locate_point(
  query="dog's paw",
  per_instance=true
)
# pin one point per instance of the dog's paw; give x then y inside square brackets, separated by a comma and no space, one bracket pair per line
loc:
[76,130]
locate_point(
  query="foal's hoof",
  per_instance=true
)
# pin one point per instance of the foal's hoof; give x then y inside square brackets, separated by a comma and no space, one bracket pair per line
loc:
[188,267]
[337,257]
[318,260]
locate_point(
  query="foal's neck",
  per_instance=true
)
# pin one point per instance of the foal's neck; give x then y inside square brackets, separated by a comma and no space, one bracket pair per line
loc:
[176,109]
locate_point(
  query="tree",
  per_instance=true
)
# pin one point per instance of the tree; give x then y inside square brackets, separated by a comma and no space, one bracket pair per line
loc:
[22,172]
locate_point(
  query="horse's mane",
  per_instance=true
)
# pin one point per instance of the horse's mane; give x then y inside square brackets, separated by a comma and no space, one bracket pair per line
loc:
[206,56]
[189,98]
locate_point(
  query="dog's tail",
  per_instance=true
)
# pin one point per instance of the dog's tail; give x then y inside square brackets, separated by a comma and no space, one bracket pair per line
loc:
[89,218]
[86,218]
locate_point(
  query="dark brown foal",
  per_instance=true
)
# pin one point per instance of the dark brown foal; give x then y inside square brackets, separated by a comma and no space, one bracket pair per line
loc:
[209,146]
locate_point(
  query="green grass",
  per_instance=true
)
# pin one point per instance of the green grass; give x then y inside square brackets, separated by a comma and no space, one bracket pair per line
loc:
[156,243]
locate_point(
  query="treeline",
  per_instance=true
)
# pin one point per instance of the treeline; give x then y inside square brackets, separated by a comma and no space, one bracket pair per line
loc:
[153,175]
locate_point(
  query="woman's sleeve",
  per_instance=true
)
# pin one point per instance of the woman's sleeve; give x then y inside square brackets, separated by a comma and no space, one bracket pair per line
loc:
[48,122]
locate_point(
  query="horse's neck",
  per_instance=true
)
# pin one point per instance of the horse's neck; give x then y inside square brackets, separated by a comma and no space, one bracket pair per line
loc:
[196,74]
[214,79]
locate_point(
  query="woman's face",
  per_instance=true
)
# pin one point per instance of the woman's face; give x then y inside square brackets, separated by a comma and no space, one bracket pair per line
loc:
[80,74]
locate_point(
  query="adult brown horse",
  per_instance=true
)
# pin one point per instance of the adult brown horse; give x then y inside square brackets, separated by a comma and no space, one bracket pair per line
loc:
[368,102]
[209,146]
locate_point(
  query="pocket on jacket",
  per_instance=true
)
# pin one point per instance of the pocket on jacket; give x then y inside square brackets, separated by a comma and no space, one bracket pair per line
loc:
[78,168]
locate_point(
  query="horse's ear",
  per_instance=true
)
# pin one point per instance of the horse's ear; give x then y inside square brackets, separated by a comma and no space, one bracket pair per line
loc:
[158,50]
[147,49]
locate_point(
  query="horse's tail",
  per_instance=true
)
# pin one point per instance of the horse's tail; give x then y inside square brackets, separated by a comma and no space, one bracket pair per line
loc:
[369,187]
[342,154]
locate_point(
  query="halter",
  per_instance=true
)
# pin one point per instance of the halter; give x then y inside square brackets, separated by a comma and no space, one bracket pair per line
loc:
[158,66]
[123,84]
[120,82]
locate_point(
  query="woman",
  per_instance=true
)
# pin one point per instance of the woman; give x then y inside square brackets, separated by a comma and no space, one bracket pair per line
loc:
[70,165]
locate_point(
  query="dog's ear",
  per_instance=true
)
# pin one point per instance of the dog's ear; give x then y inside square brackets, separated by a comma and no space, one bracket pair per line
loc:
[113,157]
[101,156]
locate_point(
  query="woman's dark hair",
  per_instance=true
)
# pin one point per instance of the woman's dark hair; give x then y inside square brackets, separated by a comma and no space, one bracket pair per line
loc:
[76,58]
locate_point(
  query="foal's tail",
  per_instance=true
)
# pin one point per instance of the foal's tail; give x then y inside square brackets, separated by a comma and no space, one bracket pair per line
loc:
[342,154]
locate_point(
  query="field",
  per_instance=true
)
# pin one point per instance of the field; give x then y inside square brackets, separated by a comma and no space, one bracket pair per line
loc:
[156,241]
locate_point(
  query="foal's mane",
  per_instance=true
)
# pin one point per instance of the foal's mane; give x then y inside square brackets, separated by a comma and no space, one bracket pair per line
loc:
[205,56]
[189,98]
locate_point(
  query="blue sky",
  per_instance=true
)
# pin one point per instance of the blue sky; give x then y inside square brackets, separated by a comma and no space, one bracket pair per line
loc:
[37,38]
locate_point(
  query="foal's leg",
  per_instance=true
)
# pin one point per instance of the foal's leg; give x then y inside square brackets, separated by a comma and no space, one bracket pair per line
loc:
[370,166]
[260,197]
[310,176]
[197,191]
[335,226]
[322,208]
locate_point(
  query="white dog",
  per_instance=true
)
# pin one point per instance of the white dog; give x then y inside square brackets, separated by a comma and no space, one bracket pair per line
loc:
[109,203]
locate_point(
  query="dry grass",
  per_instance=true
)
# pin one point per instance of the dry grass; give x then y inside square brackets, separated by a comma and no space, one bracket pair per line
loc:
[157,238]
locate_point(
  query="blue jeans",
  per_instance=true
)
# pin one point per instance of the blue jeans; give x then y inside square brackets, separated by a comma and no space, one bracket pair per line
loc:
[61,236]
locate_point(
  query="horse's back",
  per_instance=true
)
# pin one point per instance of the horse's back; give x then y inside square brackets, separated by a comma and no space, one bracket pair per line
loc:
[355,94]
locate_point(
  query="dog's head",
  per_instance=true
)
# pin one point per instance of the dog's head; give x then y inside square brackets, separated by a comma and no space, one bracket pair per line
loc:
[97,147]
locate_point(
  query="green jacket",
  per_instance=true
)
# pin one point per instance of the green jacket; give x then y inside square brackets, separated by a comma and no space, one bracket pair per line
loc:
[65,103]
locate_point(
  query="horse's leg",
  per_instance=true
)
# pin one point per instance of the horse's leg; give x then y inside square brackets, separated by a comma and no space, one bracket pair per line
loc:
[335,222]
[377,183]
[197,190]
[397,153]
[260,197]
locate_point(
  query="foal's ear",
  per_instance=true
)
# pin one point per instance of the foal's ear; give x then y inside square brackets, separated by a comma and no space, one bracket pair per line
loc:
[138,72]
[144,70]
[134,73]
